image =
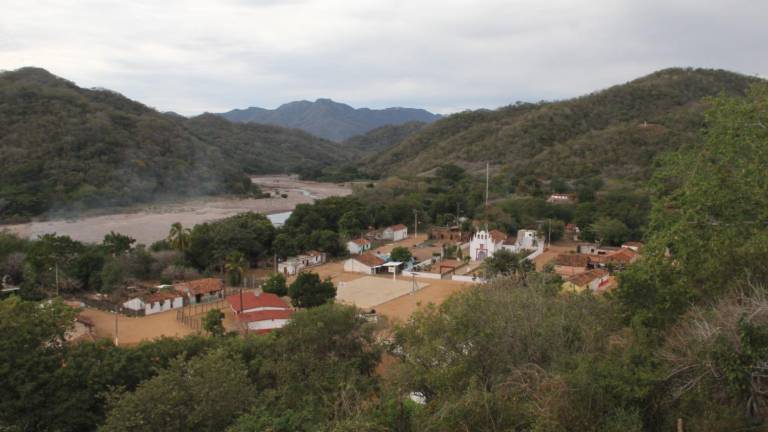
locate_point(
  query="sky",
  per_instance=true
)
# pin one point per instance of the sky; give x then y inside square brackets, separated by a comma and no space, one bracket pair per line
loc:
[192,56]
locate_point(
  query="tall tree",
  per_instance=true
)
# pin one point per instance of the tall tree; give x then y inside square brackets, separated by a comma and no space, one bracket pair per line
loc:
[709,215]
[179,237]
[236,266]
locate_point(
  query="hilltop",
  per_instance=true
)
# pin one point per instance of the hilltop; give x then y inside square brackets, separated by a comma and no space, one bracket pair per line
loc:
[65,146]
[328,119]
[615,133]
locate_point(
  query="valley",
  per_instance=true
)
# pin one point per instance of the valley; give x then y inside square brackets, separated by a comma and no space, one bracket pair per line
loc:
[150,223]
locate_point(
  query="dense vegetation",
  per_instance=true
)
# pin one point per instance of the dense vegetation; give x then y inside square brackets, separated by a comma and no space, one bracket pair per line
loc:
[68,147]
[682,343]
[613,134]
[328,119]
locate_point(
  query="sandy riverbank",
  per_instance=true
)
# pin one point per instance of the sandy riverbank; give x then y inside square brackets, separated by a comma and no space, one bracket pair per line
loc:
[151,222]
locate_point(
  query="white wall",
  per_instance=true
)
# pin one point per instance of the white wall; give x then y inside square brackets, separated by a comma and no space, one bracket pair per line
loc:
[355,266]
[135,304]
[465,278]
[400,235]
[423,275]
[267,324]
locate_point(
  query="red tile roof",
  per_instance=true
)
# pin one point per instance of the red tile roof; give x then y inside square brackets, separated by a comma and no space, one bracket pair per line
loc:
[572,260]
[314,253]
[265,315]
[361,242]
[398,227]
[369,259]
[623,256]
[201,286]
[252,301]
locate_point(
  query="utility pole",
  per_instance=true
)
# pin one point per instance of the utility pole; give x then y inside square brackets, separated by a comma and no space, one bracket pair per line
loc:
[549,232]
[117,314]
[487,180]
[415,224]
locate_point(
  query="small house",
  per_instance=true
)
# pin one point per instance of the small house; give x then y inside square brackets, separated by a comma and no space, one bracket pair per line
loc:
[259,313]
[365,263]
[358,246]
[571,264]
[250,302]
[395,232]
[202,290]
[591,280]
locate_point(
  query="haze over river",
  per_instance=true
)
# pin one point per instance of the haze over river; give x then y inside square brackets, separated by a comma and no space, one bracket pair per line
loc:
[151,222]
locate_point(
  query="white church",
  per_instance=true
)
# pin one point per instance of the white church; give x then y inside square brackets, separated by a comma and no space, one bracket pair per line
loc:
[485,243]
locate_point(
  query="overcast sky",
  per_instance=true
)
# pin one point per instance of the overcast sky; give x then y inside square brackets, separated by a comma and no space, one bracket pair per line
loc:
[192,56]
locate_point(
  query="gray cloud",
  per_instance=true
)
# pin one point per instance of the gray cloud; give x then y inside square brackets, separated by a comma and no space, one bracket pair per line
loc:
[192,56]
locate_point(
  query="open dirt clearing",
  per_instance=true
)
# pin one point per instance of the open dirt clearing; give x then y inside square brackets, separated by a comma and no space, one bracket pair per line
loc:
[151,222]
[132,330]
[370,291]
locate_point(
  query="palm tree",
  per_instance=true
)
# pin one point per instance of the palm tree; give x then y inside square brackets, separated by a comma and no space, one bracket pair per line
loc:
[179,237]
[238,264]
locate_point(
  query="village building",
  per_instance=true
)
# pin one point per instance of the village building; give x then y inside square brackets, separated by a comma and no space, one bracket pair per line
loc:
[571,264]
[595,249]
[259,313]
[358,246]
[560,198]
[395,232]
[616,260]
[366,263]
[526,240]
[633,246]
[593,280]
[201,290]
[449,234]
[485,243]
[155,302]
[293,265]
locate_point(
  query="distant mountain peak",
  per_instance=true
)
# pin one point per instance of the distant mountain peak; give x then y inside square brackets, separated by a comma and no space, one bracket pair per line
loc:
[329,119]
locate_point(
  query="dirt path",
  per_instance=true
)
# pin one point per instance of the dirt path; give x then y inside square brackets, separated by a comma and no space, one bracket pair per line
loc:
[150,223]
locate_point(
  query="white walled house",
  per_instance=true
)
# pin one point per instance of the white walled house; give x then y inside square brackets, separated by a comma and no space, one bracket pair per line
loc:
[526,240]
[259,313]
[154,303]
[365,263]
[264,321]
[358,246]
[485,243]
[293,265]
[395,232]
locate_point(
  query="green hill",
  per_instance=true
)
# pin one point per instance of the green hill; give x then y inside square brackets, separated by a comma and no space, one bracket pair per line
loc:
[65,146]
[382,138]
[613,133]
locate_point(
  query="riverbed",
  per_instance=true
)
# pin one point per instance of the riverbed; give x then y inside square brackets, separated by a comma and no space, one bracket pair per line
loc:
[151,222]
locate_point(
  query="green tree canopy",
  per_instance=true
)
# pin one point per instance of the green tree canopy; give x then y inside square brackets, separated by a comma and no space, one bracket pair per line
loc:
[400,253]
[309,291]
[275,284]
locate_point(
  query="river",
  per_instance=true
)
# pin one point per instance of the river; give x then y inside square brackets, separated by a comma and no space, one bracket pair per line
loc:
[149,223]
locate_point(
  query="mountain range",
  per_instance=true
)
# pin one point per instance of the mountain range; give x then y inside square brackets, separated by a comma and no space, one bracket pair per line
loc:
[328,119]
[63,146]
[66,146]
[614,133]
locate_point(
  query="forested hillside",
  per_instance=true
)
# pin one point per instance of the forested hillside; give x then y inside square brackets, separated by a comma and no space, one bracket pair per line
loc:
[614,133]
[62,145]
[382,138]
[329,119]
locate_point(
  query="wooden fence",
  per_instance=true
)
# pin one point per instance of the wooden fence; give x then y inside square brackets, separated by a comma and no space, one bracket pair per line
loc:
[192,315]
